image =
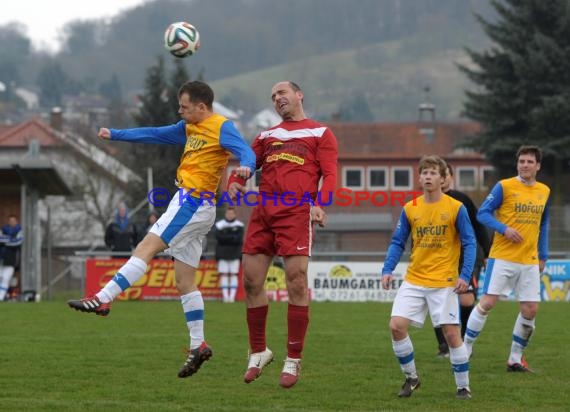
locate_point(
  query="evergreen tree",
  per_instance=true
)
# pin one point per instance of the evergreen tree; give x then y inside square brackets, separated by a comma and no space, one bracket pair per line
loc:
[15,46]
[522,93]
[154,107]
[112,91]
[178,78]
[53,83]
[80,35]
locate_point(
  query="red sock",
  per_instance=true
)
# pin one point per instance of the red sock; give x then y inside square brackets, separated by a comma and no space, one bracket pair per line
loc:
[297,323]
[256,320]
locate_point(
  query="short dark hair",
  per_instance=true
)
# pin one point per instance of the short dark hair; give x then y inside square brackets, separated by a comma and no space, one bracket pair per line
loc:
[531,150]
[295,86]
[198,92]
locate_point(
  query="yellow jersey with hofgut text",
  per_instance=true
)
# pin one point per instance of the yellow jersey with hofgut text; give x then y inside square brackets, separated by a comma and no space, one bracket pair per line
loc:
[203,159]
[439,230]
[525,208]
[207,147]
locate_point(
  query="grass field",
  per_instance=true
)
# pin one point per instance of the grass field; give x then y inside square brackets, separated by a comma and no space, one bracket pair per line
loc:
[53,358]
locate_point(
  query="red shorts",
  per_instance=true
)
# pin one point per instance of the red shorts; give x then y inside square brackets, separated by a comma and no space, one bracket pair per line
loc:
[279,230]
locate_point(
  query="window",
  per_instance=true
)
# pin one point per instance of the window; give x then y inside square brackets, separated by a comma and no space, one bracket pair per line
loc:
[466,178]
[353,178]
[377,178]
[401,178]
[488,178]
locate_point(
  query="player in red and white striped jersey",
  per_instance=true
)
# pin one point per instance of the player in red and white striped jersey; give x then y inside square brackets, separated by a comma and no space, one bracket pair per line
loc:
[294,155]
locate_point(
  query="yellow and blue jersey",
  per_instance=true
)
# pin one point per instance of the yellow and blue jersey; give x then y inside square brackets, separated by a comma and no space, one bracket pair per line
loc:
[207,147]
[440,231]
[525,208]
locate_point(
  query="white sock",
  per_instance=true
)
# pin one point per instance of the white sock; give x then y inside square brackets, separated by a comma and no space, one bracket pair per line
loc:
[193,306]
[475,325]
[6,273]
[233,286]
[224,285]
[128,274]
[521,335]
[459,359]
[404,351]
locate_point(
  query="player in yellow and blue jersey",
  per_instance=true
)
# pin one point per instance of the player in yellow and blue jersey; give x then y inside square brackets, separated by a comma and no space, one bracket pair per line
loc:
[517,209]
[208,140]
[441,231]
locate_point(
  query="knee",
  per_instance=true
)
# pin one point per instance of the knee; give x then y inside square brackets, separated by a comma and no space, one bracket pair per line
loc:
[467,299]
[452,336]
[251,286]
[529,310]
[297,282]
[397,329]
[485,305]
[184,286]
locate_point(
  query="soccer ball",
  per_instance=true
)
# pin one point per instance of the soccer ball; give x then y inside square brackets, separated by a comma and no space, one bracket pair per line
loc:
[181,39]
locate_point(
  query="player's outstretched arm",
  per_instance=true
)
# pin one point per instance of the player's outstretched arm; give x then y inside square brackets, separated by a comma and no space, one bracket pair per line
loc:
[104,133]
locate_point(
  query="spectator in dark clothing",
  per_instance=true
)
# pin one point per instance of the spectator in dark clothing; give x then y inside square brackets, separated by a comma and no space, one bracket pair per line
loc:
[10,244]
[466,300]
[229,240]
[150,220]
[121,235]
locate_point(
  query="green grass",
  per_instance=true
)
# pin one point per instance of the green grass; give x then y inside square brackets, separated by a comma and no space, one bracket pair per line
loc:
[53,358]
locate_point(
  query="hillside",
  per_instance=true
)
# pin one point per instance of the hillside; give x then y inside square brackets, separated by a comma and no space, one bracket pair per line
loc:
[391,81]
[369,58]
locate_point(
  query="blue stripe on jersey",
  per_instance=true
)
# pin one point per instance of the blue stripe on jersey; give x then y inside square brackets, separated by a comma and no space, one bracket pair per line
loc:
[121,281]
[182,217]
[520,341]
[194,315]
[462,367]
[488,272]
[406,359]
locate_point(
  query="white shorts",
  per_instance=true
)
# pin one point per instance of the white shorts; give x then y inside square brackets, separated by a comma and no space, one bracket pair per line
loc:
[503,277]
[228,266]
[413,302]
[183,227]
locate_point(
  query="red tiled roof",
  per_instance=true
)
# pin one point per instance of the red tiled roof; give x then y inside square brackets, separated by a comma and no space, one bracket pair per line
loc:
[402,140]
[20,135]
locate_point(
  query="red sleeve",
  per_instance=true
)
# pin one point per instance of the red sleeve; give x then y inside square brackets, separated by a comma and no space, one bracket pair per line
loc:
[327,156]
[235,178]
[257,147]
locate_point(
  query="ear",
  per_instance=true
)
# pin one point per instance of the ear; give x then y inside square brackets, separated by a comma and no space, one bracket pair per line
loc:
[537,166]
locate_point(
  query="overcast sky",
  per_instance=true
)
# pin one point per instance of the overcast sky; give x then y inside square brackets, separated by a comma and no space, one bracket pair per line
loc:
[45,18]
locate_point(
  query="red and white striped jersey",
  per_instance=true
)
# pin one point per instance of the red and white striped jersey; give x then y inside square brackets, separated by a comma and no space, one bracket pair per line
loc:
[294,155]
